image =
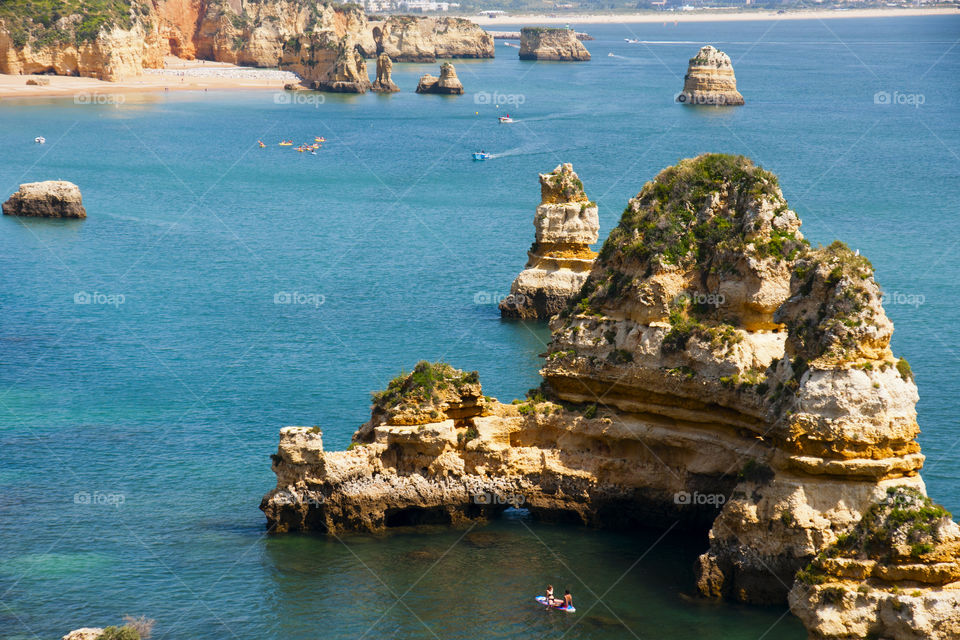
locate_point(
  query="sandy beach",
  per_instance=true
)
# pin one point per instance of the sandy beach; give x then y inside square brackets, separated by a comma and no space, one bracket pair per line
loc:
[732,15]
[178,75]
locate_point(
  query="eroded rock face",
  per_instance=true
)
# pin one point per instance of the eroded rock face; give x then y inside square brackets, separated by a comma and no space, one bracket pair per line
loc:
[348,73]
[566,225]
[295,34]
[893,575]
[86,633]
[710,80]
[49,199]
[544,43]
[714,370]
[384,83]
[447,84]
[422,39]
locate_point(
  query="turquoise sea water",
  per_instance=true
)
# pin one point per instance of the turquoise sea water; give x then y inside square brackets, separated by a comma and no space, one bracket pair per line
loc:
[134,437]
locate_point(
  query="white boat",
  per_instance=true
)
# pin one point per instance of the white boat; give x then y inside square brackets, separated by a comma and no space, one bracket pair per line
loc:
[40,140]
[505,119]
[631,41]
[481,155]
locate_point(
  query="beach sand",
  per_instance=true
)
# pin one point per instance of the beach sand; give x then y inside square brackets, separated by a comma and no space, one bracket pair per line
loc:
[178,75]
[732,15]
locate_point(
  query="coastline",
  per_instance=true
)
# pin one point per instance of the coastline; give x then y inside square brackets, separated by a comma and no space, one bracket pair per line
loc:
[177,75]
[201,75]
[704,16]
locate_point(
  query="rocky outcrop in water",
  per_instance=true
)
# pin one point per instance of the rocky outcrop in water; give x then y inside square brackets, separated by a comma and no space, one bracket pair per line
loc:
[49,199]
[384,83]
[559,262]
[119,40]
[348,73]
[710,80]
[714,372]
[447,84]
[422,39]
[546,43]
[86,633]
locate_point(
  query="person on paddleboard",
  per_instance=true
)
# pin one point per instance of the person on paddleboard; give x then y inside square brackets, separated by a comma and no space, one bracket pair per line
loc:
[550,599]
[567,599]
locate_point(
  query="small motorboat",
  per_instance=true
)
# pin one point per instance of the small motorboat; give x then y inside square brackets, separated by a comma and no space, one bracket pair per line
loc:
[286,143]
[631,41]
[511,44]
[505,119]
[40,140]
[481,155]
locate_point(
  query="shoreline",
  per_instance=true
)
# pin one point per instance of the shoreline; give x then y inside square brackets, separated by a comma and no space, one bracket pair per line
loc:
[177,75]
[203,75]
[712,15]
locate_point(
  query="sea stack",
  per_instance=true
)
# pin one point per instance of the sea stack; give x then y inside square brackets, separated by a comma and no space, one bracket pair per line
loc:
[349,71]
[547,43]
[560,259]
[715,372]
[49,199]
[384,83]
[448,83]
[710,80]
[425,39]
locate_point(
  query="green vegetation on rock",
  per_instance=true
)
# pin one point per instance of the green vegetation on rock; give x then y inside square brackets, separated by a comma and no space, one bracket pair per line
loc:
[426,385]
[43,23]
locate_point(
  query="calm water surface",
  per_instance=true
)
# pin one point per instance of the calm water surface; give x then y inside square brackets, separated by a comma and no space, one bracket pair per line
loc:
[171,401]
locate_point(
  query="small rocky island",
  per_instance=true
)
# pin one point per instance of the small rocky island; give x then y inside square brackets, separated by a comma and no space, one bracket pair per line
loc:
[715,372]
[566,224]
[548,43]
[447,84]
[49,199]
[710,80]
[384,83]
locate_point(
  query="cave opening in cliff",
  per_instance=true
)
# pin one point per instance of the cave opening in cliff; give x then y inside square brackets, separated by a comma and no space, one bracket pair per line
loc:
[175,48]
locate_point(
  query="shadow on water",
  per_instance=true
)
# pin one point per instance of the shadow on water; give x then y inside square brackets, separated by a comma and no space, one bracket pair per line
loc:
[624,583]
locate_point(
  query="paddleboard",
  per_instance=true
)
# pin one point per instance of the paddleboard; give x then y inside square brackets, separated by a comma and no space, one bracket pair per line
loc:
[543,600]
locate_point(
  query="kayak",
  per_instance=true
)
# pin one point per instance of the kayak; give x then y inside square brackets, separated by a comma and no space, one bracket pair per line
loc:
[543,600]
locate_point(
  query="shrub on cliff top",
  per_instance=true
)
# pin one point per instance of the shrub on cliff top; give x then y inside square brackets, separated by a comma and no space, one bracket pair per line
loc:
[43,23]
[669,223]
[904,523]
[425,389]
[119,633]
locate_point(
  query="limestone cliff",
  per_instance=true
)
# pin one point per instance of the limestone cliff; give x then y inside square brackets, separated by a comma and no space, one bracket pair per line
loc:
[422,39]
[566,225]
[895,575]
[714,371]
[710,80]
[384,83]
[447,84]
[543,43]
[116,40]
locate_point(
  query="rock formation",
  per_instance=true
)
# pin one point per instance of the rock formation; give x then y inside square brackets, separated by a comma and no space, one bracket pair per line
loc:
[710,80]
[894,575]
[566,224]
[86,633]
[347,75]
[49,199]
[384,83]
[714,371]
[422,39]
[448,83]
[543,43]
[119,40]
